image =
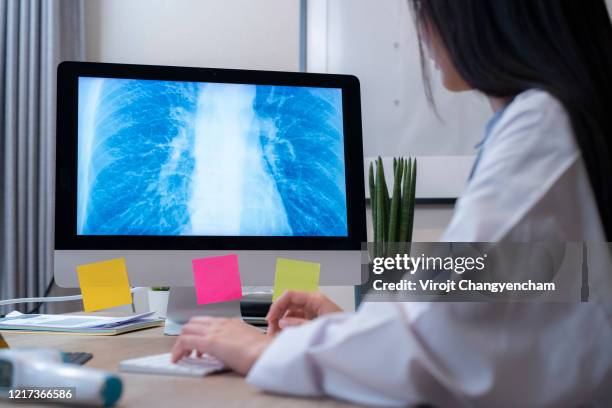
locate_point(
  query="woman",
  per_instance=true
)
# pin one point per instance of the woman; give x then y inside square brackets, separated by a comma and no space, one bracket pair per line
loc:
[542,174]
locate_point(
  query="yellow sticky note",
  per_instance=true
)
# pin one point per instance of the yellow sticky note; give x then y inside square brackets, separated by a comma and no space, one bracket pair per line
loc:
[292,274]
[104,284]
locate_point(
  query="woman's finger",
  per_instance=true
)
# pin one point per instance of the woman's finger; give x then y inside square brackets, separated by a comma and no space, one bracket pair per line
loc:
[201,325]
[185,344]
[295,313]
[291,321]
[288,300]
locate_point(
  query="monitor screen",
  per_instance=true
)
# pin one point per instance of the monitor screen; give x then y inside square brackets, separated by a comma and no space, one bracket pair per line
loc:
[174,158]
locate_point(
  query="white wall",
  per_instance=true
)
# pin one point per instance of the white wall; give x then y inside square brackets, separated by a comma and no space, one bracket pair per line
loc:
[377,41]
[262,34]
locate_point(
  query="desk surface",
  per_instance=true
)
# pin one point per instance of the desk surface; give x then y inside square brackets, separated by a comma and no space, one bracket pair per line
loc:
[141,390]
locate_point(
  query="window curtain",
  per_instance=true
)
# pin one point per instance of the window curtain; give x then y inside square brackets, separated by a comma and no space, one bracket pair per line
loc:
[35,35]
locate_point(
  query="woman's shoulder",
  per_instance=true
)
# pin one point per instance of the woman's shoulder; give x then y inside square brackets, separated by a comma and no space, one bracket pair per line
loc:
[536,98]
[536,108]
[522,166]
[535,121]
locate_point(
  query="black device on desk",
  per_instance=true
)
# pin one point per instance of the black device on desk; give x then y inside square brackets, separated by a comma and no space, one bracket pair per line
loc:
[76,357]
[254,310]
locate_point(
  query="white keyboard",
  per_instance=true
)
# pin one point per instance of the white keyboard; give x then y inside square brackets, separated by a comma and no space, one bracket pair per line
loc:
[161,364]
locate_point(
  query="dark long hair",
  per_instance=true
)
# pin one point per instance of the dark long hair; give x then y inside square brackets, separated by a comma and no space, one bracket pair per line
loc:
[564,47]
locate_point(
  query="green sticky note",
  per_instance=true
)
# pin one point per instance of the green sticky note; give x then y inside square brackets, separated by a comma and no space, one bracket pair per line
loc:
[292,274]
[104,284]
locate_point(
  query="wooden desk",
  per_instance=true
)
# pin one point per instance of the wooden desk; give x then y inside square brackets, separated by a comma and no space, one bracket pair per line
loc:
[141,390]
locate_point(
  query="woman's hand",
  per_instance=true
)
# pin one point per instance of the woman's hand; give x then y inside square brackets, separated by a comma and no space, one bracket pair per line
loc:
[294,308]
[235,343]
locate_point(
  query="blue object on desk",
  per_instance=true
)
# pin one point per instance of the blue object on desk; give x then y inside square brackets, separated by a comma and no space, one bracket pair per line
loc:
[111,391]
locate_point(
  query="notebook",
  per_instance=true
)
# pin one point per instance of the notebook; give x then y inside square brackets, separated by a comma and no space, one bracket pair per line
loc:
[78,324]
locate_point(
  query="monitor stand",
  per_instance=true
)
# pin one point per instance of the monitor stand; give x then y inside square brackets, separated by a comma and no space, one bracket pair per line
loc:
[183,305]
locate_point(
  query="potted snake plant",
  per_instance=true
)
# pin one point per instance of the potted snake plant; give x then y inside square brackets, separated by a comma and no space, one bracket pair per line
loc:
[392,215]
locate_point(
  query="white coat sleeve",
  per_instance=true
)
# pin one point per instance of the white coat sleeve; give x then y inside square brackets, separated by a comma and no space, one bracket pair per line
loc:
[353,356]
[444,354]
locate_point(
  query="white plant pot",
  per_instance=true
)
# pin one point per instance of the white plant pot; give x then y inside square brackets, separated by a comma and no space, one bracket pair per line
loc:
[158,302]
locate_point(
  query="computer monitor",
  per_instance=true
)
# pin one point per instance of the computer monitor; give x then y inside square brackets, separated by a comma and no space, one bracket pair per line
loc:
[161,165]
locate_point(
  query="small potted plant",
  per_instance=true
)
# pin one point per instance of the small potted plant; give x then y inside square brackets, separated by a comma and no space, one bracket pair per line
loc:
[158,300]
[392,215]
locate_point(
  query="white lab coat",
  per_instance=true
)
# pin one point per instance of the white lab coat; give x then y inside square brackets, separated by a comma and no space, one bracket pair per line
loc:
[530,185]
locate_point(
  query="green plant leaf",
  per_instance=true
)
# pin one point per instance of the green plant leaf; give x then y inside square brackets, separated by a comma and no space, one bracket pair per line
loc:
[412,197]
[395,201]
[373,201]
[405,210]
[386,200]
[380,208]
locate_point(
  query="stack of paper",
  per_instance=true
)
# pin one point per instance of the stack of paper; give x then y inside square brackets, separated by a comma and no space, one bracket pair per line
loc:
[92,325]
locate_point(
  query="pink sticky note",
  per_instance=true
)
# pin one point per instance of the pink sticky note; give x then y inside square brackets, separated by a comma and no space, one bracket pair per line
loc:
[217,279]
